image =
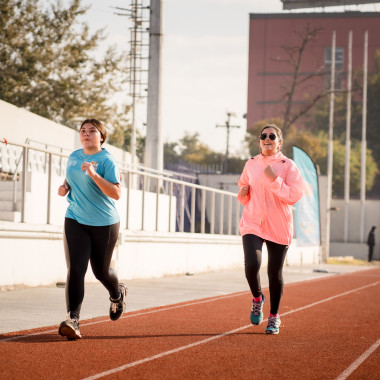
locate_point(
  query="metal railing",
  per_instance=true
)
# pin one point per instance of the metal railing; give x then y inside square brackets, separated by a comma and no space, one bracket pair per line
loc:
[199,209]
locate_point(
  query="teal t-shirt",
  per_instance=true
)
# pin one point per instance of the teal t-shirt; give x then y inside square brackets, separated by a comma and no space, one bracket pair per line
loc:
[87,203]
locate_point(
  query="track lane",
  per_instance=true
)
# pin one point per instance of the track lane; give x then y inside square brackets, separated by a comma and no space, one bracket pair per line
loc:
[109,345]
[309,345]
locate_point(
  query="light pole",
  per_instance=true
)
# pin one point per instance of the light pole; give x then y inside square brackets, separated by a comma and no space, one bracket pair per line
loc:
[154,151]
[227,125]
[137,55]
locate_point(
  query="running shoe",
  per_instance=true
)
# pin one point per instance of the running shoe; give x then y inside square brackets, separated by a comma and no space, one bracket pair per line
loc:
[257,311]
[273,325]
[117,307]
[70,329]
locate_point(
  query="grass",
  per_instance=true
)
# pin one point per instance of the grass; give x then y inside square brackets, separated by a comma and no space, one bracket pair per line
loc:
[349,260]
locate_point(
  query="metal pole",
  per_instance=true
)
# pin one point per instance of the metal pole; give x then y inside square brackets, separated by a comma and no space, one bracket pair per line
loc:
[128,200]
[182,210]
[221,213]
[143,204]
[133,73]
[326,252]
[364,139]
[348,140]
[157,201]
[229,215]
[203,211]
[237,217]
[192,224]
[212,217]
[50,175]
[153,155]
[24,176]
[170,205]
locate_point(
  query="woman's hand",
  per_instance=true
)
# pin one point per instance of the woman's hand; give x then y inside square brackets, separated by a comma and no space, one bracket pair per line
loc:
[88,168]
[113,190]
[244,191]
[270,173]
[63,190]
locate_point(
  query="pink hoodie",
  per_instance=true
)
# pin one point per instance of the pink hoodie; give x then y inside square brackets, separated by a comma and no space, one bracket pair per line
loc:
[267,212]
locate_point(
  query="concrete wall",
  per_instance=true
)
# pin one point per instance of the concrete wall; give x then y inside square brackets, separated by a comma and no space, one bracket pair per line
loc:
[17,124]
[354,247]
[33,255]
[371,218]
[357,250]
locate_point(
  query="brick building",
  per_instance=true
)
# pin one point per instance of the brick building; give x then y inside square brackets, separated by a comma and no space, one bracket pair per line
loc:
[270,72]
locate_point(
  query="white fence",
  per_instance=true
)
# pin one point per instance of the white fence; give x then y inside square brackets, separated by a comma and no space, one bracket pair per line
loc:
[30,177]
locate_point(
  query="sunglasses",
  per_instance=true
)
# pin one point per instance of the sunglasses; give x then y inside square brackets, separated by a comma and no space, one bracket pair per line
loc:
[272,136]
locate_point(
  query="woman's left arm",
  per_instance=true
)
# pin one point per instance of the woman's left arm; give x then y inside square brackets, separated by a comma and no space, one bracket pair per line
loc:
[290,188]
[113,190]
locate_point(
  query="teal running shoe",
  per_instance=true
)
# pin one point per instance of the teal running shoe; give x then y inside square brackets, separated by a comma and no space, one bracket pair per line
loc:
[273,325]
[257,311]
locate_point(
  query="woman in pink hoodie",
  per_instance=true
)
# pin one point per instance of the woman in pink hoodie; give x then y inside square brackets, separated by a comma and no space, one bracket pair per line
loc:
[269,185]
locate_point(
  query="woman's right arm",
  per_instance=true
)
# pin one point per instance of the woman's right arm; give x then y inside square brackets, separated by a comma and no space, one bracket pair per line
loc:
[244,196]
[64,188]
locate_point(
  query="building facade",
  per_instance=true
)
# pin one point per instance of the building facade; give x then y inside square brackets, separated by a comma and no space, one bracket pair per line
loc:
[274,45]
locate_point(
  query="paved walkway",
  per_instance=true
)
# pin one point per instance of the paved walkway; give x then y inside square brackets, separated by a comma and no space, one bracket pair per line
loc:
[45,306]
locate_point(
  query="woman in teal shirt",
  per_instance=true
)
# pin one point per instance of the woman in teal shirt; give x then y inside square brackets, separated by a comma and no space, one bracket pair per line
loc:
[91,224]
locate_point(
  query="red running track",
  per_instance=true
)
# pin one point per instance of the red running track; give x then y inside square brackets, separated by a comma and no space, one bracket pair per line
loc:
[330,330]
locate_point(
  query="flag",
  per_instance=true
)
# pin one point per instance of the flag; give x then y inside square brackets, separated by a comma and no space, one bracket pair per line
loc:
[307,221]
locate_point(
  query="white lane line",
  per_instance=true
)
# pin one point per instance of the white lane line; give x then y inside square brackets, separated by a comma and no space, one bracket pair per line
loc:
[331,298]
[347,372]
[203,341]
[162,354]
[190,303]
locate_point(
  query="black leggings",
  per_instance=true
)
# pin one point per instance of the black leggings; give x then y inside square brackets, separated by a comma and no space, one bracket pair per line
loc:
[83,244]
[252,245]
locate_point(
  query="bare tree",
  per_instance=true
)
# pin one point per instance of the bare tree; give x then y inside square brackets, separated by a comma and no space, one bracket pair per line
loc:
[294,56]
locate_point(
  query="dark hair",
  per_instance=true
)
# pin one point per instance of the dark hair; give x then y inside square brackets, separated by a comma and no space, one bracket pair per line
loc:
[277,129]
[99,126]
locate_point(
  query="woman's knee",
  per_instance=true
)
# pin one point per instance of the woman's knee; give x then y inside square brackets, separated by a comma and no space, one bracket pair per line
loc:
[101,274]
[251,267]
[76,272]
[275,279]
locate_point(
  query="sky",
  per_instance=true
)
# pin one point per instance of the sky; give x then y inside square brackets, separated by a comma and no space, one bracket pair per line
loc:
[204,63]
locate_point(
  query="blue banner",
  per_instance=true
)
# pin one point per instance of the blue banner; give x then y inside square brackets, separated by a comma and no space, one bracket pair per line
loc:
[307,223]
